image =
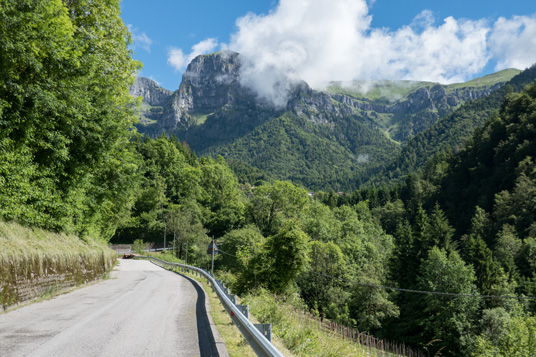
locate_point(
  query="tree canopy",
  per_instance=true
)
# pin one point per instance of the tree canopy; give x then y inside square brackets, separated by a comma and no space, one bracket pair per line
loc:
[65,113]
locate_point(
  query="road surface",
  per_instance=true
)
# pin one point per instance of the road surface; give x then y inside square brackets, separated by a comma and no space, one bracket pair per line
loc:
[143,310]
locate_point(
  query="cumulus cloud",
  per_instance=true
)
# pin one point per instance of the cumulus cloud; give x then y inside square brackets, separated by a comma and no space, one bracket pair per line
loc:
[176,58]
[179,60]
[333,40]
[513,42]
[311,40]
[140,39]
[203,47]
[450,52]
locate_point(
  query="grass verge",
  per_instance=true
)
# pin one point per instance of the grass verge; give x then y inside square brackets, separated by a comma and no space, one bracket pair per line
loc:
[299,335]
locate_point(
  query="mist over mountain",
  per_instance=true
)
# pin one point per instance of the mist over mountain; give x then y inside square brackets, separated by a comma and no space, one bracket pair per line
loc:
[337,138]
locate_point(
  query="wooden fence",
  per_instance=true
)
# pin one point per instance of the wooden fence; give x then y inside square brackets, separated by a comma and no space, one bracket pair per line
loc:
[374,346]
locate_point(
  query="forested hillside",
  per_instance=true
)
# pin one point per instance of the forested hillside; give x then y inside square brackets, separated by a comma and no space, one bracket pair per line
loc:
[291,147]
[466,225]
[464,228]
[488,194]
[450,133]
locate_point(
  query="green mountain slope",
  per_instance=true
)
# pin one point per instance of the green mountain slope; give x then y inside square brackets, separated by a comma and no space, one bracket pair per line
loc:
[311,154]
[491,79]
[500,156]
[402,109]
[387,90]
[377,90]
[451,131]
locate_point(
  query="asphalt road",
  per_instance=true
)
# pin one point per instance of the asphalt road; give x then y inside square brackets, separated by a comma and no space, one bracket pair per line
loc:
[143,310]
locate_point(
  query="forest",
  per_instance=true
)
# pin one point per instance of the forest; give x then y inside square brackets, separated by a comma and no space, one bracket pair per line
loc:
[447,254]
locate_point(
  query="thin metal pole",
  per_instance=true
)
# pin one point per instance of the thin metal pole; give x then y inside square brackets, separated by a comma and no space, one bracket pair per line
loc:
[174,243]
[212,256]
[186,261]
[163,220]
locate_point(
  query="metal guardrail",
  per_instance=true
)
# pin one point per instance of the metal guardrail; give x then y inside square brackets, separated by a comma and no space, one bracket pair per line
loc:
[258,340]
[145,250]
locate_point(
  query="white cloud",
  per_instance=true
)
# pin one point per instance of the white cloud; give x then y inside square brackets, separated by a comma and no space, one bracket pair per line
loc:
[423,20]
[178,60]
[140,39]
[451,52]
[326,40]
[513,42]
[203,47]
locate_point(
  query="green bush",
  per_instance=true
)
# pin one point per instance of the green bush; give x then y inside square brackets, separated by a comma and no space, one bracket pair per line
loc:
[138,246]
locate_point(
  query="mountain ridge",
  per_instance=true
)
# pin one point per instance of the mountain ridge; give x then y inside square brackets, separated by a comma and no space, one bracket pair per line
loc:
[215,114]
[451,131]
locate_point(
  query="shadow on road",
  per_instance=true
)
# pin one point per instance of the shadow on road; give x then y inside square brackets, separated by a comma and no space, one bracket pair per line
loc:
[207,343]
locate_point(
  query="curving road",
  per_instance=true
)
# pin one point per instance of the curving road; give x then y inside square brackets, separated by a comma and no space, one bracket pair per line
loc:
[143,310]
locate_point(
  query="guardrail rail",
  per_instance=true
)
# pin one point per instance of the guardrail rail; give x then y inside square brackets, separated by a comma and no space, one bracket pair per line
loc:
[259,341]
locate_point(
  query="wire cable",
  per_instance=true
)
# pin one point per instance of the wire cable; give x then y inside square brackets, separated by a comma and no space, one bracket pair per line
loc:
[425,291]
[413,290]
[229,254]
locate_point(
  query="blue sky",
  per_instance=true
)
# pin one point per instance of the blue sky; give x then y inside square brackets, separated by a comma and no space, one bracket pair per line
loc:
[321,40]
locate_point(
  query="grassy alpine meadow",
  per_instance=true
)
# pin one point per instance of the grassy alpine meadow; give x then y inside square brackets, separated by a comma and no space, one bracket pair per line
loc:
[34,262]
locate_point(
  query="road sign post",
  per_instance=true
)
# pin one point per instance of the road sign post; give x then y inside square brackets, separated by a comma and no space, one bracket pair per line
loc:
[213,250]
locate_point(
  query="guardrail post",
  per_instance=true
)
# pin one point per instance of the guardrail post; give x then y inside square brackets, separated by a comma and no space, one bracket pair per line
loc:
[266,330]
[232,298]
[244,309]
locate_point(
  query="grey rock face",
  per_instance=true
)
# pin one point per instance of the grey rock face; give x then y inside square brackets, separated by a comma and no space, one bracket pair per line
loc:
[418,110]
[210,82]
[209,85]
[317,107]
[150,91]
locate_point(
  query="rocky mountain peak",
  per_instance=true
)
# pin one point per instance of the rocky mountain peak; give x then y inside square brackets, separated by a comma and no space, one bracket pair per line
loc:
[151,93]
[210,82]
